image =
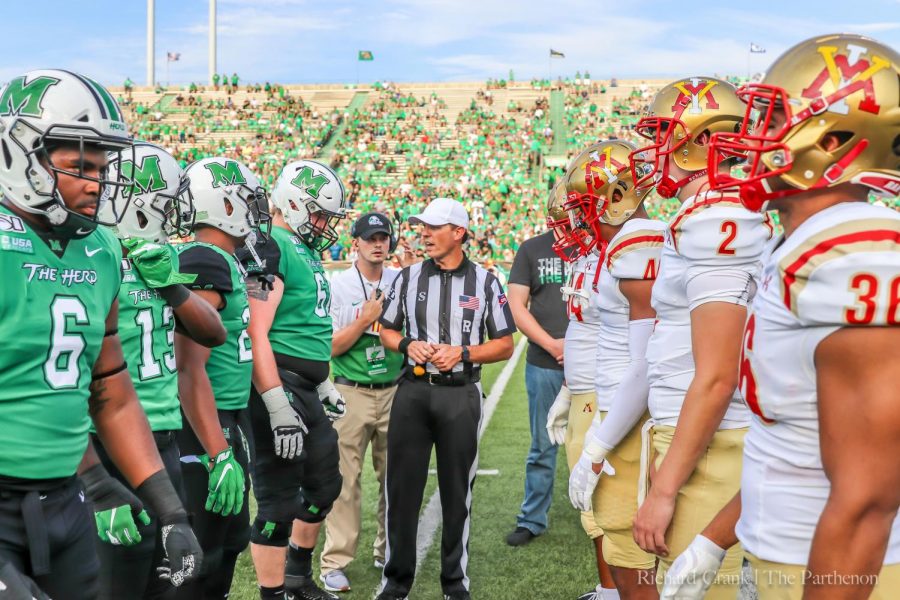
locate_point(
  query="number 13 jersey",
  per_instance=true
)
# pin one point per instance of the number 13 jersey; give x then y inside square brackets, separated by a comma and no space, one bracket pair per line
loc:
[841,267]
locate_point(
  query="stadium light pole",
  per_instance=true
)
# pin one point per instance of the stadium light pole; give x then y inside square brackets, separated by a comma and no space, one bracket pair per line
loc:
[151,43]
[212,41]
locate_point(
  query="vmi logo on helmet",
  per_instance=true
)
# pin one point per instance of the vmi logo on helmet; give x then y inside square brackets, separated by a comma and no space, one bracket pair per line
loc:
[24,98]
[227,173]
[697,90]
[852,73]
[147,178]
[310,182]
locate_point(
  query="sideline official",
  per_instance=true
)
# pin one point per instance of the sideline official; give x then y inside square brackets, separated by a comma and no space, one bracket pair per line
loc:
[448,316]
[366,376]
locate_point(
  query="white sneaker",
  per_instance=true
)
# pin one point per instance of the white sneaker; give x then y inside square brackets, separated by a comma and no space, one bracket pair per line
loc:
[336,581]
[379,564]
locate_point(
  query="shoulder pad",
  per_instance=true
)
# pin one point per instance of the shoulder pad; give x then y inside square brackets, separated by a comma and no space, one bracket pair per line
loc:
[717,228]
[845,274]
[635,254]
[269,253]
[212,269]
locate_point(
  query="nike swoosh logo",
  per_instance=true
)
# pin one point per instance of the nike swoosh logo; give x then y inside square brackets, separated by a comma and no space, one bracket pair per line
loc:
[91,253]
[227,468]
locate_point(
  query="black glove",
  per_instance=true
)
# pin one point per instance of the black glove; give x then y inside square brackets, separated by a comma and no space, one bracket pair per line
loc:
[15,586]
[183,552]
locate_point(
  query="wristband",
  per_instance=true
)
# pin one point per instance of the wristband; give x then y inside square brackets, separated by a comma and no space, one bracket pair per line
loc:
[403,346]
[159,494]
[93,476]
[175,295]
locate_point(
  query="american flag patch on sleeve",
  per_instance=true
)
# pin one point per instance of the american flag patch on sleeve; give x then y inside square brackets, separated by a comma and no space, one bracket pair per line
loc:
[470,302]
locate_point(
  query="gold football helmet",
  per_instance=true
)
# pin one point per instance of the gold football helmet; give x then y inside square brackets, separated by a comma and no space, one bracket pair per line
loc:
[600,187]
[679,123]
[845,87]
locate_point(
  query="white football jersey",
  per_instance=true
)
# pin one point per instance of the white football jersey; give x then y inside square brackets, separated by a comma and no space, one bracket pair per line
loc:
[711,254]
[632,254]
[580,345]
[837,269]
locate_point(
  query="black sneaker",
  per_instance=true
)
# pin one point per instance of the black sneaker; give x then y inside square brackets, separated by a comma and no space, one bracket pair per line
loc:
[520,537]
[298,587]
[389,596]
[458,596]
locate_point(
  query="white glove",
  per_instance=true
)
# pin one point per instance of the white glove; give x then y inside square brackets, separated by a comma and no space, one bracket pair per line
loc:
[558,416]
[331,400]
[693,571]
[288,428]
[583,481]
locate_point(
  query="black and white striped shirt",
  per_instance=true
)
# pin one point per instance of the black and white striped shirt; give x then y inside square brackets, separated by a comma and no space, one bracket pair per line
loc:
[461,307]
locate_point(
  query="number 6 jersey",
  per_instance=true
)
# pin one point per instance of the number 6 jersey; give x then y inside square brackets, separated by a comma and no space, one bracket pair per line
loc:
[841,267]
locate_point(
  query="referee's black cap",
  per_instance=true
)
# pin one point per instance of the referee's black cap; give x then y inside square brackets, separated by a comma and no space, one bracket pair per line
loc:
[371,223]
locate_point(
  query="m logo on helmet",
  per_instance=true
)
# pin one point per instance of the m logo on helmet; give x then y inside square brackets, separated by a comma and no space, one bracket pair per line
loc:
[694,92]
[24,98]
[851,72]
[147,178]
[227,173]
[309,181]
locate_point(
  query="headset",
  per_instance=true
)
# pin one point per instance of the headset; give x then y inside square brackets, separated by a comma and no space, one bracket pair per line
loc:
[391,234]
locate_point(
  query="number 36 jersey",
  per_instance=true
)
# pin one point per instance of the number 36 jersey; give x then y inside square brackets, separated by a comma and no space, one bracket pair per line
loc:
[302,327]
[841,267]
[54,301]
[711,254]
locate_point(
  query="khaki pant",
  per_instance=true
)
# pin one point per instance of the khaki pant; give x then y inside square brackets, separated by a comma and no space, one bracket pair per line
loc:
[581,413]
[368,412]
[710,487]
[777,581]
[617,503]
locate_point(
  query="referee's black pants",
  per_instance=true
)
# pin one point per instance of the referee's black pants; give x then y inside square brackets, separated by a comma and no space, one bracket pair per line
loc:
[447,418]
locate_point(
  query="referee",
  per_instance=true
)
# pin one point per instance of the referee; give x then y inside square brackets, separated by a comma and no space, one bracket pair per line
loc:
[455,317]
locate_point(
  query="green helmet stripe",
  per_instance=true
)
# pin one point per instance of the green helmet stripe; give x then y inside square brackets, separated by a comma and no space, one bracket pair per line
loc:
[108,100]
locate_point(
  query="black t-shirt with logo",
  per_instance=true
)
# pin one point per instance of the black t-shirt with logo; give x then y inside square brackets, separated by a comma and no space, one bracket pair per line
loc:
[537,266]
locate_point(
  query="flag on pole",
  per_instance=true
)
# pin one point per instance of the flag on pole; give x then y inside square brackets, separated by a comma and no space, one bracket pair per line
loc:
[556,54]
[756,49]
[366,55]
[173,56]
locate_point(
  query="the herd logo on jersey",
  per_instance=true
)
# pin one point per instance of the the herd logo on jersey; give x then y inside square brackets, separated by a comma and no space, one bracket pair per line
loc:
[226,173]
[309,181]
[852,70]
[694,92]
[68,277]
[24,98]
[147,178]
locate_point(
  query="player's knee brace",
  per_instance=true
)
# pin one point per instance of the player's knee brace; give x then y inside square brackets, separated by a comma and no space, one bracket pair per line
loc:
[316,504]
[270,533]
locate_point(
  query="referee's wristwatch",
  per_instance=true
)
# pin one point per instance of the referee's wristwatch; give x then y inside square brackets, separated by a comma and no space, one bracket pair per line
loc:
[465,354]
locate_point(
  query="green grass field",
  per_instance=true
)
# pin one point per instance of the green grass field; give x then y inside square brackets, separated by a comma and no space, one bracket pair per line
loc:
[557,565]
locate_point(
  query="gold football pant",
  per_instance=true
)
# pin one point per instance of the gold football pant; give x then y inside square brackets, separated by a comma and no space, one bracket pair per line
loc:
[581,413]
[778,581]
[710,487]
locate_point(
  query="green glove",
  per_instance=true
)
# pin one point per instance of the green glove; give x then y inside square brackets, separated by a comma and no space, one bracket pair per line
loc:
[114,507]
[226,483]
[157,263]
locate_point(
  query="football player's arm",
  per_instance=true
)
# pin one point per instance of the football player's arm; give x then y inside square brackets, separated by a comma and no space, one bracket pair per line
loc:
[716,329]
[263,305]
[200,320]
[519,296]
[117,414]
[859,433]
[194,388]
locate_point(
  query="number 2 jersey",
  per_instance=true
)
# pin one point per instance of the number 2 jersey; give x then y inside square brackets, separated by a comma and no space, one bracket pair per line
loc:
[711,254]
[840,267]
[633,253]
[53,310]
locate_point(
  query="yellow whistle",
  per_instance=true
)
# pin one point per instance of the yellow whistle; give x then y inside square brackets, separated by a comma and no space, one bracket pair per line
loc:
[418,370]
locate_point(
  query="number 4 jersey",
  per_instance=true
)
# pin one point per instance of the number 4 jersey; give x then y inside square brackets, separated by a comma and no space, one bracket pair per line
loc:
[54,301]
[841,267]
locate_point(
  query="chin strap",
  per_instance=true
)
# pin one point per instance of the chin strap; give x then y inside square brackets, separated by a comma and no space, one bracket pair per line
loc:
[668,187]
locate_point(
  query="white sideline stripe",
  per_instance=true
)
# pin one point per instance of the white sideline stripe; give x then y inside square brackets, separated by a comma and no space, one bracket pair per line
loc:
[431,516]
[479,472]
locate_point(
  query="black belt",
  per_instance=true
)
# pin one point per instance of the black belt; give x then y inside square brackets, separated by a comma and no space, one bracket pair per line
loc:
[368,386]
[455,379]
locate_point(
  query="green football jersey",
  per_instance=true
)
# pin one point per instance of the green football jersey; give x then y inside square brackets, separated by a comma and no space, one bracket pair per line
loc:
[54,301]
[230,366]
[302,326]
[147,331]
